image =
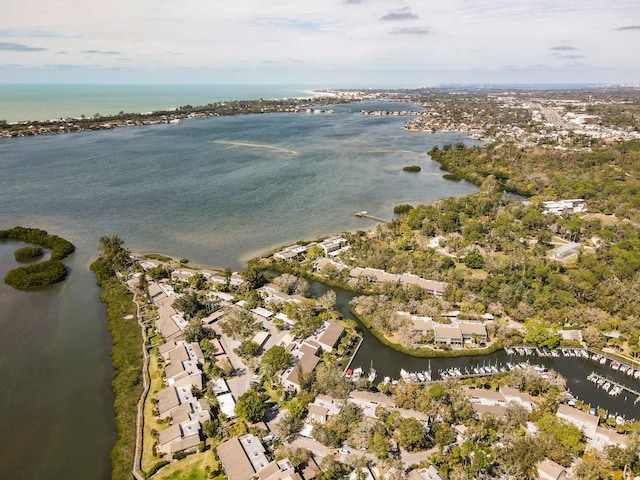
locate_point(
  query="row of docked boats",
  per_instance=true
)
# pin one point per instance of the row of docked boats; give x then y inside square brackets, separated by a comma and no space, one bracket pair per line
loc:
[415,377]
[612,388]
[541,352]
[358,373]
[485,370]
[602,359]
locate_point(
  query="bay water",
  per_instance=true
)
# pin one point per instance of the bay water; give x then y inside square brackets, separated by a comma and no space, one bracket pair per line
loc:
[217,191]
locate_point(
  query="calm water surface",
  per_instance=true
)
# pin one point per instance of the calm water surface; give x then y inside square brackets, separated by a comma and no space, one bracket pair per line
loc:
[388,362]
[217,191]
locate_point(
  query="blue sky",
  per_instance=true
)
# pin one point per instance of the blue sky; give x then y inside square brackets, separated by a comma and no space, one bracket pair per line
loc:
[321,42]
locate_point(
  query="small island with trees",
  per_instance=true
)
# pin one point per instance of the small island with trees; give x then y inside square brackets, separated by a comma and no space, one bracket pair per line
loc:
[40,274]
[412,168]
[28,254]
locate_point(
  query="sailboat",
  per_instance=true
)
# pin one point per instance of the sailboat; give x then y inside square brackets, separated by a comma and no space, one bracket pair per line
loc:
[372,373]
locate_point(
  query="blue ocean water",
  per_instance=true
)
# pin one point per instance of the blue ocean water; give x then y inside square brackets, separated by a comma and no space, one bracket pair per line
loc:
[41,101]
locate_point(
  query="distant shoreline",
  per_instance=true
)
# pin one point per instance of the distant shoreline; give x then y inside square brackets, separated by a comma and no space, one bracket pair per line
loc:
[170,116]
[42,102]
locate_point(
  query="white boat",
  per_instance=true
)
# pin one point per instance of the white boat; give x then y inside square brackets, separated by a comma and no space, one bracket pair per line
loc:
[606,386]
[386,380]
[372,375]
[427,375]
[403,373]
[603,360]
[357,373]
[637,374]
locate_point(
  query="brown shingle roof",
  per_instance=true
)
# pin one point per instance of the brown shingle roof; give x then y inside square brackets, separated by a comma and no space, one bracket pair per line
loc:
[234,460]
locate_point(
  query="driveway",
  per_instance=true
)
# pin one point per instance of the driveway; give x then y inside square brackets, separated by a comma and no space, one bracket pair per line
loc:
[239,383]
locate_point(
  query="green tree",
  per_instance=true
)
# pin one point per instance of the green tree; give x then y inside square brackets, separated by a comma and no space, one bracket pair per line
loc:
[288,426]
[113,251]
[251,406]
[541,333]
[274,359]
[412,435]
[473,259]
[569,435]
[189,303]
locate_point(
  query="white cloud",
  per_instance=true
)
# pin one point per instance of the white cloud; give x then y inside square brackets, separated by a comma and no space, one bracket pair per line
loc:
[252,40]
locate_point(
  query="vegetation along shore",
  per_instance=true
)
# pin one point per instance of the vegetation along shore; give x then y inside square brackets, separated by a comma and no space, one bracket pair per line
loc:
[241,359]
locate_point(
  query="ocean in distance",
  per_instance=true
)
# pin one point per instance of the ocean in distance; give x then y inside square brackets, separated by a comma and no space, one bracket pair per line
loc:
[41,101]
[217,191]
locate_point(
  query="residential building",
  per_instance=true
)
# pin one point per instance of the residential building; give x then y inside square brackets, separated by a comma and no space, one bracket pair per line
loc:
[331,336]
[425,474]
[581,419]
[565,251]
[235,460]
[446,334]
[473,332]
[550,470]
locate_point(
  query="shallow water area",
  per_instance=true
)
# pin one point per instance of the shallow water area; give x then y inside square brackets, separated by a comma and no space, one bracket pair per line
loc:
[217,191]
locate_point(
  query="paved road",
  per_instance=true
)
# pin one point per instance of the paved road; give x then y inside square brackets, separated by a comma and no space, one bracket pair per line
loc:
[240,383]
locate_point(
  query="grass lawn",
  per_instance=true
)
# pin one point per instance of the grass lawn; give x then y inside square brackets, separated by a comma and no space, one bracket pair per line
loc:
[190,468]
[150,422]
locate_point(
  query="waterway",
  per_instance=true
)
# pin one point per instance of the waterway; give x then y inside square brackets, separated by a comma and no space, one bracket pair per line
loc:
[388,362]
[217,191]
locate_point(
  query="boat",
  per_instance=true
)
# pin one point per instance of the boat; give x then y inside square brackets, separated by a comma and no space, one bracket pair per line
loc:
[427,375]
[348,373]
[357,373]
[372,374]
[615,365]
[420,376]
[606,386]
[630,372]
[386,380]
[637,374]
[623,368]
[603,360]
[404,374]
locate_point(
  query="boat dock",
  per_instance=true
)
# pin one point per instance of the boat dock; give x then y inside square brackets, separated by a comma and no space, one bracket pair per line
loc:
[364,214]
[612,386]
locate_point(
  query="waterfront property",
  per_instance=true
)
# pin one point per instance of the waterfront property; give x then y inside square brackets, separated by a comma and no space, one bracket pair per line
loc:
[376,275]
[581,419]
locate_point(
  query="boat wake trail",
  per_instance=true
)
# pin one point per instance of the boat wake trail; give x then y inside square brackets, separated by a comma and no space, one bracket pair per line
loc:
[232,143]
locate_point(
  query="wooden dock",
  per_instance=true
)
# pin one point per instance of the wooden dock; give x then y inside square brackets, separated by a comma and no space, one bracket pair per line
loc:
[595,377]
[364,214]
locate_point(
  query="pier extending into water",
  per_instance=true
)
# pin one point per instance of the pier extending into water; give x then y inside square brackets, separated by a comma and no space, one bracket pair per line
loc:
[364,214]
[601,381]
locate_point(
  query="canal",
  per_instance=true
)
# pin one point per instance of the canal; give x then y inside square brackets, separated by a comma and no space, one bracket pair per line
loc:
[388,362]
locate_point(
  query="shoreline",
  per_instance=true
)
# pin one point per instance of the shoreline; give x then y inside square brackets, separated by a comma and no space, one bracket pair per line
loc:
[168,116]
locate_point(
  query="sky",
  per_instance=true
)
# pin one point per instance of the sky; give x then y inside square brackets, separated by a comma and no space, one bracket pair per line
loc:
[366,43]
